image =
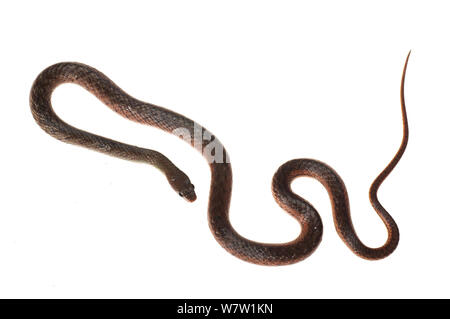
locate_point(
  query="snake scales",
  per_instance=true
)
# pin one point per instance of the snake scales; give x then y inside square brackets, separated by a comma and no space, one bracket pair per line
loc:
[221,181]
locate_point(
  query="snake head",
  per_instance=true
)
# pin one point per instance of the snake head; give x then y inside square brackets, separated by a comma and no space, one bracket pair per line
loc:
[188,193]
[183,186]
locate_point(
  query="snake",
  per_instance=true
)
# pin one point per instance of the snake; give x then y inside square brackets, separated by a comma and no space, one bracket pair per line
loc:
[261,253]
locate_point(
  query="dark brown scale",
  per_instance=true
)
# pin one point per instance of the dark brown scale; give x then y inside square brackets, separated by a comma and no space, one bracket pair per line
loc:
[221,180]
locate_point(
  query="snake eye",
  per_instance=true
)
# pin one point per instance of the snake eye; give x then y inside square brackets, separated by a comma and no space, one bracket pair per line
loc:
[181,194]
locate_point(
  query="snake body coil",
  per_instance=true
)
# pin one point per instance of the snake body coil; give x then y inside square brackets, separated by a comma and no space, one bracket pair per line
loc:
[221,181]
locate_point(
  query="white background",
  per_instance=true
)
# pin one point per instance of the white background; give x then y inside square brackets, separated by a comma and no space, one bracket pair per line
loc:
[274,80]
